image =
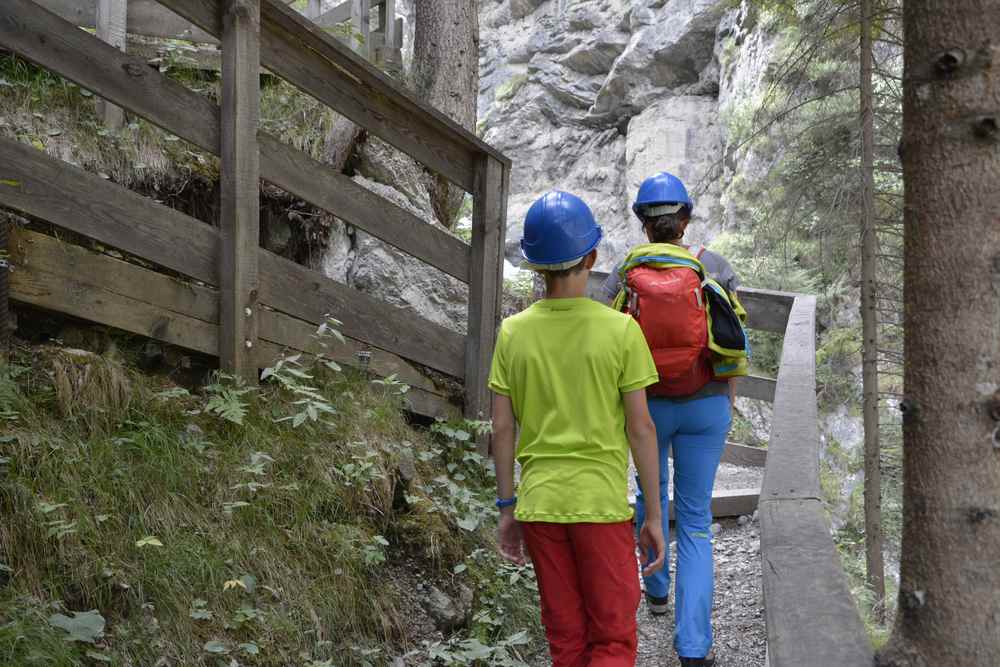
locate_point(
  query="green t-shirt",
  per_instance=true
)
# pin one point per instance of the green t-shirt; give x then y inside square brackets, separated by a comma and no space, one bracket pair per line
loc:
[565,364]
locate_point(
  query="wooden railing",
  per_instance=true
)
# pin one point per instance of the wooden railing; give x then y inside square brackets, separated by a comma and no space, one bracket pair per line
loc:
[381,44]
[234,298]
[812,619]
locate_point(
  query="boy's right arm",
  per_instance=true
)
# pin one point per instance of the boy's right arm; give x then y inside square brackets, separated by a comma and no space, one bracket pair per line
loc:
[511,541]
[642,441]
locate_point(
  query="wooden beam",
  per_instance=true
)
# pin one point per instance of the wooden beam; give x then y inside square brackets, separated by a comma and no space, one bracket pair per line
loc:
[488,229]
[240,186]
[757,387]
[744,455]
[335,16]
[41,186]
[767,310]
[361,27]
[810,614]
[145,17]
[794,446]
[56,45]
[111,19]
[70,279]
[726,502]
[302,53]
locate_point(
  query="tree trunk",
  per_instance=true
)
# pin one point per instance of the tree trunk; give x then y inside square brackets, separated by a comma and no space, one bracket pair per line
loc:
[949,606]
[869,325]
[445,73]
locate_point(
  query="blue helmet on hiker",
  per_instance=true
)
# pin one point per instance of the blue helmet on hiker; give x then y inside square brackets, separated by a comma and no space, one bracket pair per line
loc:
[559,231]
[661,194]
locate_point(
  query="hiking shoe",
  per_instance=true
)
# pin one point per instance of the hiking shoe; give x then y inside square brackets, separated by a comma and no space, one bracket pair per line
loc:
[707,661]
[657,606]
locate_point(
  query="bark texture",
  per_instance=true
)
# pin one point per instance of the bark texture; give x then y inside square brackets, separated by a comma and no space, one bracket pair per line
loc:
[949,604]
[869,325]
[445,73]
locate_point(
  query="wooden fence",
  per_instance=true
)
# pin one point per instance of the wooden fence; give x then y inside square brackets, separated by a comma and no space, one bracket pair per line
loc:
[235,299]
[149,18]
[812,619]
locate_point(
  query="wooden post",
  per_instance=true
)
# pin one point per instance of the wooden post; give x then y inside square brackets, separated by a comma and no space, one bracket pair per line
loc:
[240,186]
[361,27]
[489,216]
[111,24]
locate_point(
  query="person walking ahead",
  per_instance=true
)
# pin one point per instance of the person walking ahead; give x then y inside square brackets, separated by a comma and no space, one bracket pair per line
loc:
[572,373]
[692,324]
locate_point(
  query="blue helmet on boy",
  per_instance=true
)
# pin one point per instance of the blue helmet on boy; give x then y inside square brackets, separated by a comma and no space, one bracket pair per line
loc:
[661,194]
[559,230]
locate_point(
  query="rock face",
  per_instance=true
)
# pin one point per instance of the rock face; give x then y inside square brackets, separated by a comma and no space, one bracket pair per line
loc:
[593,96]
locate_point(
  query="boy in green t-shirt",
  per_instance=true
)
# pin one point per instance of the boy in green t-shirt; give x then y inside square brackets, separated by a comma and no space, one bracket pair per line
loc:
[572,373]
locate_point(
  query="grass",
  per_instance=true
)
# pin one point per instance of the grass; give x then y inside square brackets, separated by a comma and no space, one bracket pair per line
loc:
[203,535]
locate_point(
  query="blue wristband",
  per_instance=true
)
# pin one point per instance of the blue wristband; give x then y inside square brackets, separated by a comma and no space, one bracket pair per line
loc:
[506,502]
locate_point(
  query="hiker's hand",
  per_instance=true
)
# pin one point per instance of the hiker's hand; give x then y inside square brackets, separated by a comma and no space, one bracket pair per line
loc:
[511,540]
[651,541]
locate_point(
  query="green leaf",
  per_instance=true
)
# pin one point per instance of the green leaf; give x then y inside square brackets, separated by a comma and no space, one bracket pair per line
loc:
[250,648]
[460,568]
[149,541]
[84,626]
[215,646]
[469,523]
[10,182]
[99,657]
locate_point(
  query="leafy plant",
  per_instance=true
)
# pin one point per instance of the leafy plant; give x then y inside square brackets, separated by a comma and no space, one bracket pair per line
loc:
[226,399]
[84,626]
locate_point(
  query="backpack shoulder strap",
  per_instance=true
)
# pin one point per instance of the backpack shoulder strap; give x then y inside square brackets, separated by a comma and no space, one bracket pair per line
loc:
[697,251]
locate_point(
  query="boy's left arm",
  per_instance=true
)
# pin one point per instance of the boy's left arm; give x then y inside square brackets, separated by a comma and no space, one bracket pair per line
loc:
[511,541]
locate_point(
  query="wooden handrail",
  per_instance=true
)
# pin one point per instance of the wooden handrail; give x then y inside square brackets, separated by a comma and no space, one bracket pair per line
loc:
[296,49]
[811,616]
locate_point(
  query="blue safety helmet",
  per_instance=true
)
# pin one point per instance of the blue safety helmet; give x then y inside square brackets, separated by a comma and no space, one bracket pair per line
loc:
[558,228]
[661,194]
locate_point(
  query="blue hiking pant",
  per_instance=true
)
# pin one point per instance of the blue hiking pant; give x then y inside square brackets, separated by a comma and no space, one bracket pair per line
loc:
[696,430]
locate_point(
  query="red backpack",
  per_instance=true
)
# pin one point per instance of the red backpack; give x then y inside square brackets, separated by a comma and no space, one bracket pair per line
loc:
[669,305]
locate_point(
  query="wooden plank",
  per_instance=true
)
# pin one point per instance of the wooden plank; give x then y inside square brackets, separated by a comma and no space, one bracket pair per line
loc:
[744,455]
[793,462]
[57,45]
[488,221]
[38,185]
[108,295]
[726,502]
[145,17]
[239,184]
[70,279]
[302,53]
[111,18]
[361,27]
[308,295]
[296,172]
[335,16]
[767,310]
[757,387]
[810,614]
[127,81]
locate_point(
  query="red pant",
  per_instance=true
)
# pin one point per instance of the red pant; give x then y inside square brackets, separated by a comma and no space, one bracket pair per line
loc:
[589,584]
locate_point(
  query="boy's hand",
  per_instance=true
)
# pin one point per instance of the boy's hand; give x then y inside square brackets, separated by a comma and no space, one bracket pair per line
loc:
[651,541]
[511,540]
